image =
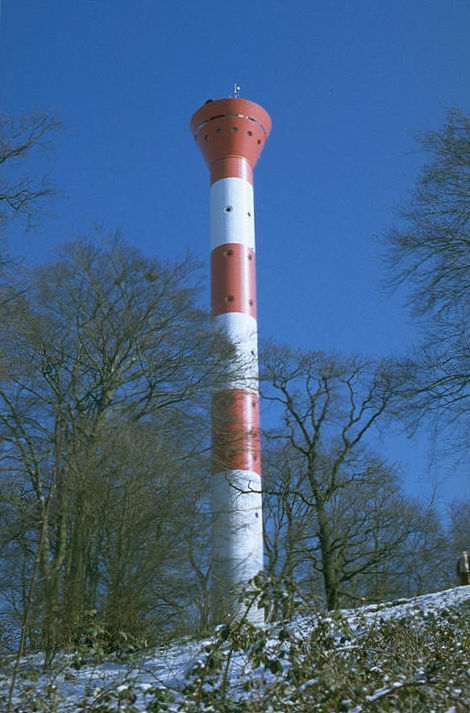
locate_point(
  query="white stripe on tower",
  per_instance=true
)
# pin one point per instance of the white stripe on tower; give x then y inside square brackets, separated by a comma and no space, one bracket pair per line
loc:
[231,134]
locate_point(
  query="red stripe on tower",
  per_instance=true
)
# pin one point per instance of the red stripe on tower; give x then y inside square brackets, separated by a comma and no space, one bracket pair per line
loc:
[233,279]
[235,438]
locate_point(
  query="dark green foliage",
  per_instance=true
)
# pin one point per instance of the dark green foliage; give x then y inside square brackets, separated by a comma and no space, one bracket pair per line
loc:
[94,641]
[419,662]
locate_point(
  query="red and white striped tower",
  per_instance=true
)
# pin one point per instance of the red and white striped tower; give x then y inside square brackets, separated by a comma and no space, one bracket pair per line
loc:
[231,134]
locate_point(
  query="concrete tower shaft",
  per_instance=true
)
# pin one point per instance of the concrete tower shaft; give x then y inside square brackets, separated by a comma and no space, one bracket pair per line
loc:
[231,134]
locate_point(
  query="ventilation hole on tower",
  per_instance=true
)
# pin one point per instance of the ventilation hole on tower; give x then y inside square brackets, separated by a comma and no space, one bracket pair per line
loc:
[253,403]
[259,141]
[229,253]
[232,454]
[250,133]
[249,214]
[218,131]
[234,129]
[256,514]
[206,137]
[253,352]
[250,302]
[229,298]
[250,257]
[228,209]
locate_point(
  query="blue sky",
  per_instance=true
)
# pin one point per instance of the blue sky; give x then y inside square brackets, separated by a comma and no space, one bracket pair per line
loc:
[347,83]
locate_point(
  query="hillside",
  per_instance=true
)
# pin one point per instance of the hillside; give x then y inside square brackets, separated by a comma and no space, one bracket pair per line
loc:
[407,655]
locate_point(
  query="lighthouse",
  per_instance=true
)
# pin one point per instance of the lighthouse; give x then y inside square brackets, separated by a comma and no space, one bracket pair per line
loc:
[231,133]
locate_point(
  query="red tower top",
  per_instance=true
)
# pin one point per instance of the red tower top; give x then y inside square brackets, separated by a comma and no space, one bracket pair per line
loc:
[231,134]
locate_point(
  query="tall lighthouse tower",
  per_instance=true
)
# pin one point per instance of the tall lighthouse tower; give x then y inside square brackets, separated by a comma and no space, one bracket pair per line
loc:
[231,134]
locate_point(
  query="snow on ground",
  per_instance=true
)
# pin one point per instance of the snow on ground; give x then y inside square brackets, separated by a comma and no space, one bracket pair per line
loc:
[403,607]
[168,666]
[396,609]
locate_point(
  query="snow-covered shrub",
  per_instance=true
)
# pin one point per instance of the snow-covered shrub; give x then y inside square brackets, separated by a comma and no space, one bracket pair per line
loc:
[408,655]
[343,662]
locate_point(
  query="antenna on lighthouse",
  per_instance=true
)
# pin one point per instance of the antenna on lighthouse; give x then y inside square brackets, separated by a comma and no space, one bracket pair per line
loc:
[236,91]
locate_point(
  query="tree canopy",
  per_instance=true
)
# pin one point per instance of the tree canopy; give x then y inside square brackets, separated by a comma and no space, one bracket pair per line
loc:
[428,252]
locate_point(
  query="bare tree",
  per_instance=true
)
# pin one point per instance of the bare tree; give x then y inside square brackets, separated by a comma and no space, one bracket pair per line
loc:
[459,528]
[20,193]
[385,544]
[428,253]
[21,196]
[328,405]
[103,417]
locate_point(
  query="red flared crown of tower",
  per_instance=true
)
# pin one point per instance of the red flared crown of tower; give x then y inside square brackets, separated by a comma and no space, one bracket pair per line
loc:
[232,127]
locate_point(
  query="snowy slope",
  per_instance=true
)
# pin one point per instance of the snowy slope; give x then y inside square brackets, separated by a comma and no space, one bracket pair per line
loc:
[138,685]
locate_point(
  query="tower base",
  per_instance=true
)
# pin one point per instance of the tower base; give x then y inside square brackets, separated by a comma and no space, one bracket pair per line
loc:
[237,541]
